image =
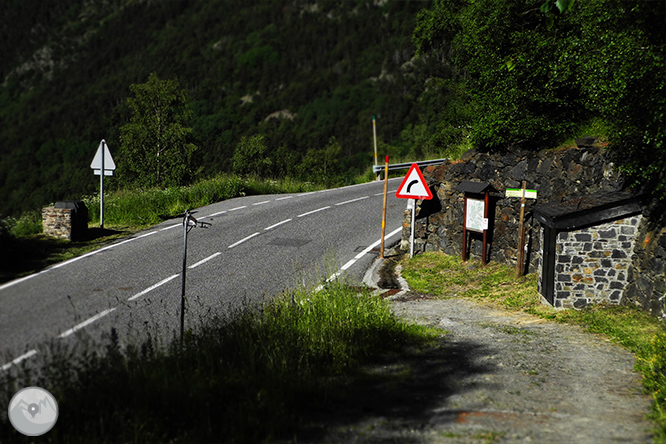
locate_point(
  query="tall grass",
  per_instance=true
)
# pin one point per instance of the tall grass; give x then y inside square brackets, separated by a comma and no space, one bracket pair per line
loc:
[250,379]
[141,208]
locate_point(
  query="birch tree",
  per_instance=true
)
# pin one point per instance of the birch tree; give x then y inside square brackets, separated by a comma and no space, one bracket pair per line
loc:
[156,148]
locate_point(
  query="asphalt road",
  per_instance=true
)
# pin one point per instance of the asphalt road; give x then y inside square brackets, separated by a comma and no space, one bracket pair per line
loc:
[256,247]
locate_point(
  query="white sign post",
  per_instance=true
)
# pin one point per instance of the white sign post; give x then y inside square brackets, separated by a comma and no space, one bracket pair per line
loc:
[102,165]
[413,187]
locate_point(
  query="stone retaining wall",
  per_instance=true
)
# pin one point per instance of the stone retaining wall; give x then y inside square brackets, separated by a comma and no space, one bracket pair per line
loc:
[555,174]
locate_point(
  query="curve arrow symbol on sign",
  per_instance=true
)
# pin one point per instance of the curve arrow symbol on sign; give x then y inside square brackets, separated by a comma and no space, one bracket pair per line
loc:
[413,182]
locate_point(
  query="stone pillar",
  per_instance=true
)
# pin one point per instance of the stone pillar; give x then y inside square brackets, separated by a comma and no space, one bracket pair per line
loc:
[57,222]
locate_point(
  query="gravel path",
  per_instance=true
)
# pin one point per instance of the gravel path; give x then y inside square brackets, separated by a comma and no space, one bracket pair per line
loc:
[495,377]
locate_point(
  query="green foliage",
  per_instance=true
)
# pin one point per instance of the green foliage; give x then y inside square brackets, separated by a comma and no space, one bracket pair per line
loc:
[539,71]
[251,157]
[652,364]
[322,165]
[156,148]
[251,377]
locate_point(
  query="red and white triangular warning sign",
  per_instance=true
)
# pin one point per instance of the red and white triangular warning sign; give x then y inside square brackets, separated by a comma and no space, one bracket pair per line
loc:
[414,186]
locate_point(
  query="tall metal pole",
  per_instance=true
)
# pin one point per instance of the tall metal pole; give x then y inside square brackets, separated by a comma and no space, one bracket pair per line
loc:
[411,236]
[186,223]
[386,165]
[101,188]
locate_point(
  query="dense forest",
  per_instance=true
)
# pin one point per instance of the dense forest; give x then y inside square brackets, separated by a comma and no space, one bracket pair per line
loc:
[303,79]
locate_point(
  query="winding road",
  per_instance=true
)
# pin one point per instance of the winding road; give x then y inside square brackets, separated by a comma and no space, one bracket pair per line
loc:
[256,247]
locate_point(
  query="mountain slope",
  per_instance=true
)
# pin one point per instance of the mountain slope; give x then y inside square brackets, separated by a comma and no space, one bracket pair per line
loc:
[329,66]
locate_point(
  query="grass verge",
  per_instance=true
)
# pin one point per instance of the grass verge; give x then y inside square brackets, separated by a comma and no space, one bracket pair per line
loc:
[252,379]
[24,250]
[447,276]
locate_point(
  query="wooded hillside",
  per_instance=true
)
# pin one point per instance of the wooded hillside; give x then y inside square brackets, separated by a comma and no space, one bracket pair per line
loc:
[309,76]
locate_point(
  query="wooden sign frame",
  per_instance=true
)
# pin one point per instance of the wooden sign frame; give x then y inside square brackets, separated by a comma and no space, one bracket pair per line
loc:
[486,205]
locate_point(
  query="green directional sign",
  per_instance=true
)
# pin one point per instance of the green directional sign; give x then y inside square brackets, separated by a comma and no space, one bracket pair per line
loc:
[518,192]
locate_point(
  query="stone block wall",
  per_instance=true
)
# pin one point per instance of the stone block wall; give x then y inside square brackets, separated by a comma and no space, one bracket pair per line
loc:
[58,222]
[592,264]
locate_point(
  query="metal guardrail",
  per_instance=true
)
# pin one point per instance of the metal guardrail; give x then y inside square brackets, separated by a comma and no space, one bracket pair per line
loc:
[377,169]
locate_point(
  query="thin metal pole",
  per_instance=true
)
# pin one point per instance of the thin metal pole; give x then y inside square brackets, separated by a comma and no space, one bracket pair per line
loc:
[411,236]
[384,210]
[186,223]
[101,189]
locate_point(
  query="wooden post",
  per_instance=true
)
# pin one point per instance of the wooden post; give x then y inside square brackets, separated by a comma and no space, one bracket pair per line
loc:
[521,234]
[386,165]
[484,259]
[464,248]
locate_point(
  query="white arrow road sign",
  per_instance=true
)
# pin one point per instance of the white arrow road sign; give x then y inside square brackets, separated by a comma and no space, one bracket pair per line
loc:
[414,186]
[108,164]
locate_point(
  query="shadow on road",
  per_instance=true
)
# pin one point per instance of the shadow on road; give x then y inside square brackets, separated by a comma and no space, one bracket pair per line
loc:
[396,391]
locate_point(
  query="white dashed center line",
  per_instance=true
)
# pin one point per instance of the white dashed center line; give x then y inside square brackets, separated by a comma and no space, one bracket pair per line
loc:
[19,359]
[313,211]
[243,240]
[203,261]
[277,224]
[151,288]
[84,323]
[353,200]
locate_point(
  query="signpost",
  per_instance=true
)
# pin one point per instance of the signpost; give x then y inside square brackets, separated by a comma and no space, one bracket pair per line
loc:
[523,194]
[413,187]
[189,222]
[102,165]
[386,165]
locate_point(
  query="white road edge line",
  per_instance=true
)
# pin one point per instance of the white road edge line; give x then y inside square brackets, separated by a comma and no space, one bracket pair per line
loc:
[277,224]
[203,261]
[19,359]
[261,203]
[151,288]
[243,240]
[357,257]
[238,208]
[353,200]
[86,322]
[313,211]
[92,253]
[283,198]
[172,226]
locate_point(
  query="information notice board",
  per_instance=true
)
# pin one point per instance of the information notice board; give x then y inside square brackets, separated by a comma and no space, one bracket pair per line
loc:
[475,213]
